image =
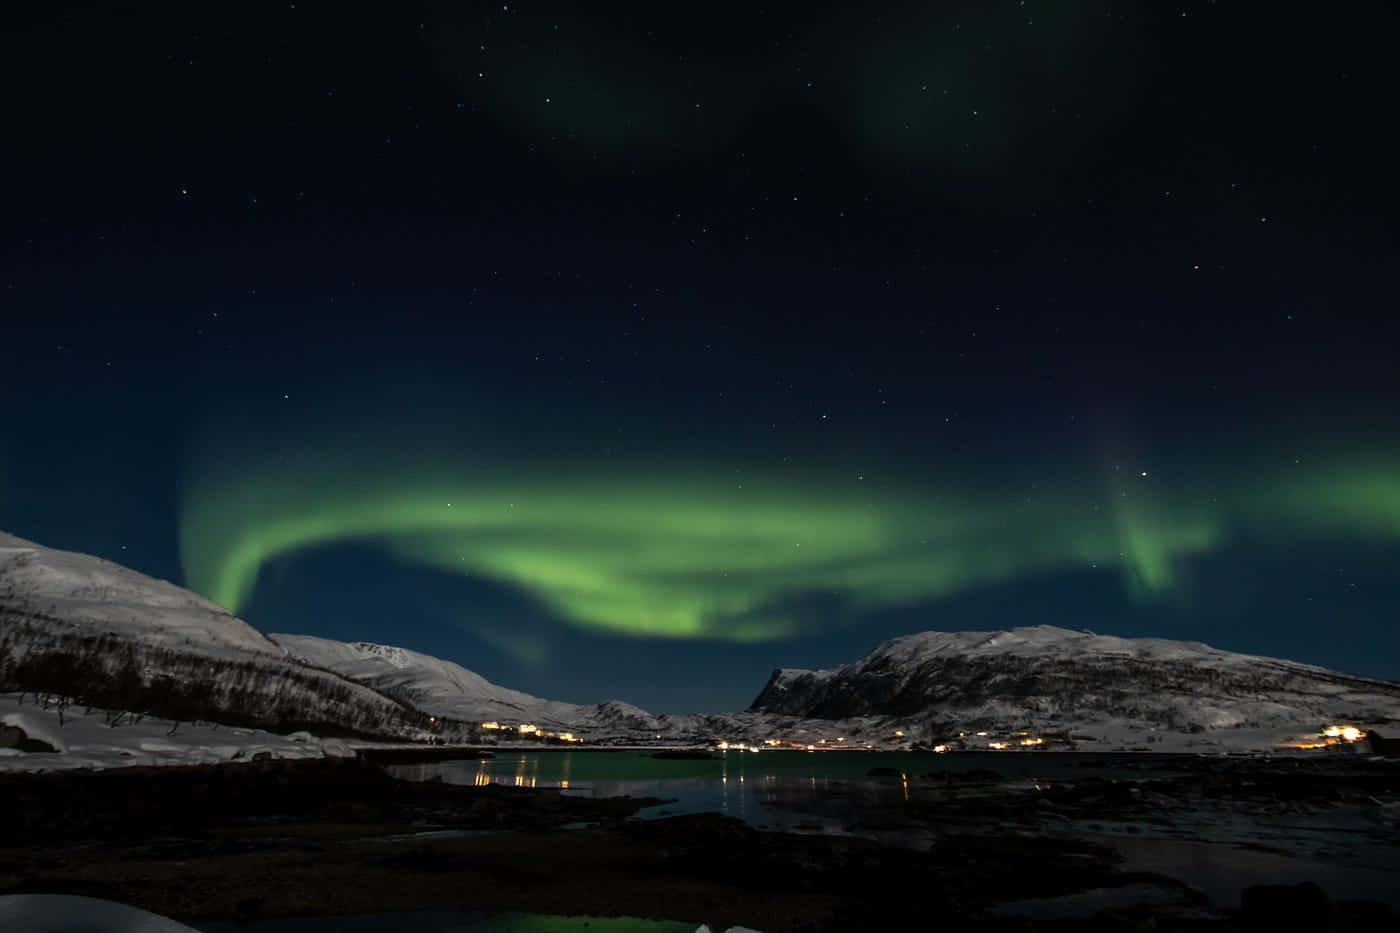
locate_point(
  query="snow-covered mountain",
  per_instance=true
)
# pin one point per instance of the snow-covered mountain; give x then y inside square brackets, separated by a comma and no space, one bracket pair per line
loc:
[93,632]
[106,636]
[88,593]
[443,688]
[76,624]
[1044,678]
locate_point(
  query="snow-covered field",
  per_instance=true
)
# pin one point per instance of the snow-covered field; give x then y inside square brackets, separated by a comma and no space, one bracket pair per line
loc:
[86,741]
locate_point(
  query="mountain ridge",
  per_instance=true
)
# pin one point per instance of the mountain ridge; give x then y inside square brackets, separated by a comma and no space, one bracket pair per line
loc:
[112,636]
[1061,677]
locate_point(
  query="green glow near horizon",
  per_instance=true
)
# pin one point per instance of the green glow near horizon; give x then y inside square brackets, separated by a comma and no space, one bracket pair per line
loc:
[690,556]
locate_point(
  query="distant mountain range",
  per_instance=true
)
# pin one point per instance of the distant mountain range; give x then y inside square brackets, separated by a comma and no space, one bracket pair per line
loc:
[1058,680]
[443,688]
[111,637]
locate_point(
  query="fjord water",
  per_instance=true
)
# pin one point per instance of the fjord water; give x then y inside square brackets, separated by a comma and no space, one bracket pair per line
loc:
[790,790]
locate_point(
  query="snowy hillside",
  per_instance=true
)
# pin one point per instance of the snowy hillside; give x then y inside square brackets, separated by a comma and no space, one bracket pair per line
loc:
[88,738]
[1045,678]
[86,592]
[443,688]
[80,629]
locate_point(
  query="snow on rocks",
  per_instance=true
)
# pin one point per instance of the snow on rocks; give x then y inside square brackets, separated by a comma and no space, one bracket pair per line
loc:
[21,728]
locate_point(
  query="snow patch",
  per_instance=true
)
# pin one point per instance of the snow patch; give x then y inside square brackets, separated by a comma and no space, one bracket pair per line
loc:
[68,913]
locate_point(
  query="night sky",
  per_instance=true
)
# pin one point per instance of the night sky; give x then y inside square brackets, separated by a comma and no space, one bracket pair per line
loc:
[634,352]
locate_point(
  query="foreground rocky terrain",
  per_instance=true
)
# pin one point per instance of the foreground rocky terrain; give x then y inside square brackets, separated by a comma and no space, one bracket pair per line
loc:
[324,837]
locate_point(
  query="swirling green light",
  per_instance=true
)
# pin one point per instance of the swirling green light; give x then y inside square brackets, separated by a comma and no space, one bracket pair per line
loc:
[681,553]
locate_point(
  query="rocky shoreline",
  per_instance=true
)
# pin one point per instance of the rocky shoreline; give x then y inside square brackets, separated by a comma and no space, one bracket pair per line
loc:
[320,837]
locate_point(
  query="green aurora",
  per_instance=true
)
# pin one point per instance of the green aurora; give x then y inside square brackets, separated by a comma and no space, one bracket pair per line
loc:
[685,554]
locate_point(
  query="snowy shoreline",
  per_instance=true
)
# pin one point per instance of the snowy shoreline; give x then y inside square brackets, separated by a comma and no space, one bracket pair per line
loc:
[85,739]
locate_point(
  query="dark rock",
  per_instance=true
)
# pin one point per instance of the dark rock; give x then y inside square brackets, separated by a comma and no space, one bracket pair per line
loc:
[15,737]
[1285,907]
[1389,748]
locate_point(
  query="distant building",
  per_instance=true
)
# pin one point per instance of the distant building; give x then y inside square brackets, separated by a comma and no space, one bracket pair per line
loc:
[1390,748]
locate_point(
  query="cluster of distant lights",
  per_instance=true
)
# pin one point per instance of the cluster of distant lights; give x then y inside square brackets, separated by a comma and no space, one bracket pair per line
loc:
[1330,735]
[1023,740]
[529,728]
[1333,735]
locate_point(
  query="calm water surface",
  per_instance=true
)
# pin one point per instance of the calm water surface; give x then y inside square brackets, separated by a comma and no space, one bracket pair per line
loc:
[776,789]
